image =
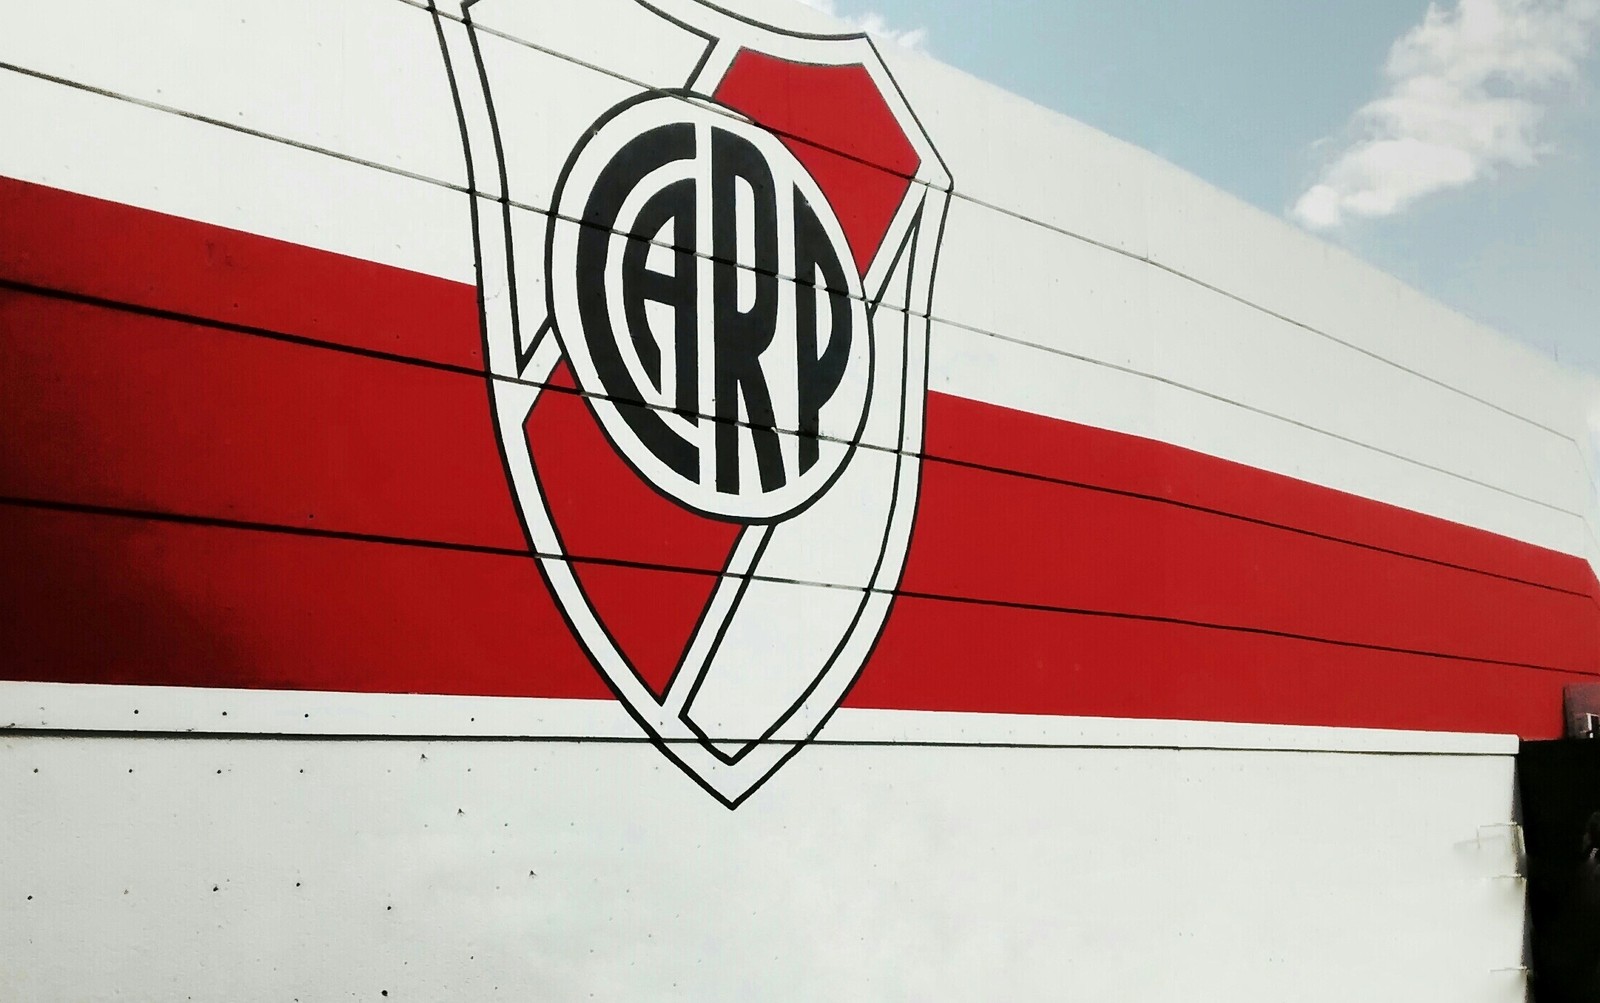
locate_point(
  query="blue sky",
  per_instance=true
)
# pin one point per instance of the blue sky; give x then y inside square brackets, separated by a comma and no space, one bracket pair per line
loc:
[1456,146]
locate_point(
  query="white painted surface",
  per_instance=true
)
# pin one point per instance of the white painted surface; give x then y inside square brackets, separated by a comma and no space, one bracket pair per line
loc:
[275,870]
[84,142]
[342,77]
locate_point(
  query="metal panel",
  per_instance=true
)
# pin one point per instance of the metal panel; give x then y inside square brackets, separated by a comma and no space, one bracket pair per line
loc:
[434,870]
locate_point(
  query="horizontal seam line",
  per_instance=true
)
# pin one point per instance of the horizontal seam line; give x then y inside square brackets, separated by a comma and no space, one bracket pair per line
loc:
[200,734]
[1264,631]
[230,126]
[1255,521]
[1244,301]
[1264,412]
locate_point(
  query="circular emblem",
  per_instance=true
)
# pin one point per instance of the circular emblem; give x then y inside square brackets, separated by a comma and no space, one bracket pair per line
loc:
[709,305]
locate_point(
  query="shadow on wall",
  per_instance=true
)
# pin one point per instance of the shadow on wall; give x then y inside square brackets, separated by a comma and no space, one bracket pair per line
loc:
[83,597]
[1559,786]
[82,600]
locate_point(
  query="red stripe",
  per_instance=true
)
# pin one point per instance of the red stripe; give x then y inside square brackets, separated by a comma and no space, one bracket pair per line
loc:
[975,432]
[960,657]
[1014,539]
[87,598]
[75,243]
[116,409]
[114,600]
[124,410]
[264,431]
[600,507]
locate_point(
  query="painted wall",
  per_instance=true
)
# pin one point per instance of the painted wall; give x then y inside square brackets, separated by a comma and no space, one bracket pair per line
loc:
[297,468]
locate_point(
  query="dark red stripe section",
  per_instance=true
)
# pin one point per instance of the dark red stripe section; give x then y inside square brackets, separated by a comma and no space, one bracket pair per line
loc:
[60,240]
[111,408]
[88,598]
[937,655]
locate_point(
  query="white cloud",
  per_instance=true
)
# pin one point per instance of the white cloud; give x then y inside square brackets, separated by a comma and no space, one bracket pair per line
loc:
[1467,91]
[875,25]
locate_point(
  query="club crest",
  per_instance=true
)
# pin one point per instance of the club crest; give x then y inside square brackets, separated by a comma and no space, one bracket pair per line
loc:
[707,334]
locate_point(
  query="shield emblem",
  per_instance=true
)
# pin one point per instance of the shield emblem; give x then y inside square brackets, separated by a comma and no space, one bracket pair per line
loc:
[707,336]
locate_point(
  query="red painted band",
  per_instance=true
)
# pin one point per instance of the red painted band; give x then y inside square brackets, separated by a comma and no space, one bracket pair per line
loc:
[109,408]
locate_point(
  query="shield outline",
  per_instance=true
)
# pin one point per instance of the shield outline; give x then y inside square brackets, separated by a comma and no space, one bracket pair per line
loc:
[518,367]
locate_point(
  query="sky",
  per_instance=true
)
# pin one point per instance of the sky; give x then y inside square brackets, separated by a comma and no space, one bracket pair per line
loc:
[1455,145]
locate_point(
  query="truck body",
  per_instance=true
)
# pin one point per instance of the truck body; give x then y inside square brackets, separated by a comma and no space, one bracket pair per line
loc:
[661,500]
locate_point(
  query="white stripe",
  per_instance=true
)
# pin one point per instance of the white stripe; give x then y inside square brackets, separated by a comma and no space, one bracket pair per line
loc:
[110,149]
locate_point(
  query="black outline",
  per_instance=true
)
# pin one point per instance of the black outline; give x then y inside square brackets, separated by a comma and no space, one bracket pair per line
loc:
[590,397]
[916,502]
[895,501]
[525,355]
[705,611]
[705,57]
[494,410]
[911,236]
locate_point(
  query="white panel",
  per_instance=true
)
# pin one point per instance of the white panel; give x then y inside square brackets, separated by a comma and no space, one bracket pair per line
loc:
[981,367]
[110,149]
[1473,357]
[1224,347]
[361,77]
[1007,152]
[1006,276]
[476,125]
[637,43]
[544,105]
[1040,166]
[1201,232]
[257,870]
